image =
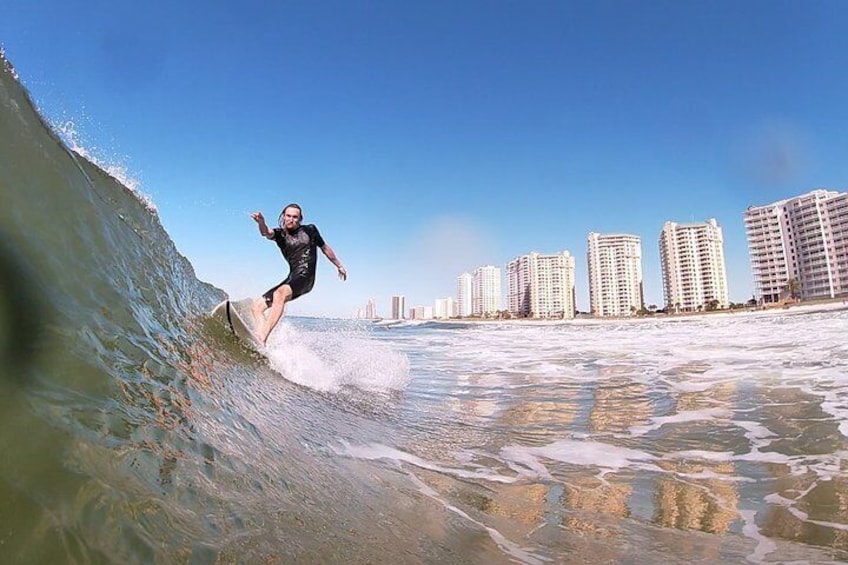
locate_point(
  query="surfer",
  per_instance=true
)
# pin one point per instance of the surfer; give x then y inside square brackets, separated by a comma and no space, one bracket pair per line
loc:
[298,243]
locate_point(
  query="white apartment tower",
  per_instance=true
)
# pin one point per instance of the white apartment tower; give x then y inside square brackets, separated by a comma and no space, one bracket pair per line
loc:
[804,239]
[615,274]
[371,309]
[444,308]
[421,313]
[398,307]
[693,268]
[541,286]
[463,295]
[486,290]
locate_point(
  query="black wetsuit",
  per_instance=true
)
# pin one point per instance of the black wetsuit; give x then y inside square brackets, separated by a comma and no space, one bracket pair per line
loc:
[300,248]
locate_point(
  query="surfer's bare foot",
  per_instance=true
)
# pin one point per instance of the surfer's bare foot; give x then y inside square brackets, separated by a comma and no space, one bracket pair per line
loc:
[263,340]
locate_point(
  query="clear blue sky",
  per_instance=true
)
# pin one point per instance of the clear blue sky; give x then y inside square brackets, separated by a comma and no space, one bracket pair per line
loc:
[427,138]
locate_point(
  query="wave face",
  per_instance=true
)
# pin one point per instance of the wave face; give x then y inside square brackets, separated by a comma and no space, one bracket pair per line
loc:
[134,429]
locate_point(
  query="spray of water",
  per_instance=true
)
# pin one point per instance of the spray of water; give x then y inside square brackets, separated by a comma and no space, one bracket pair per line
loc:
[331,360]
[69,133]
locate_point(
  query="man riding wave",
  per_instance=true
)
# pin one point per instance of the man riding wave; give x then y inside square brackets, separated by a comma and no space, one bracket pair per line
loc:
[298,244]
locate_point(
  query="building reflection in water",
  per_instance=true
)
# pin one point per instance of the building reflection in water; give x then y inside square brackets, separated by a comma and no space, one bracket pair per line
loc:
[698,494]
[618,404]
[707,505]
[810,507]
[818,519]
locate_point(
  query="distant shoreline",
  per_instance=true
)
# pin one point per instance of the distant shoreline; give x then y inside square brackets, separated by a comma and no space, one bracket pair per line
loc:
[801,308]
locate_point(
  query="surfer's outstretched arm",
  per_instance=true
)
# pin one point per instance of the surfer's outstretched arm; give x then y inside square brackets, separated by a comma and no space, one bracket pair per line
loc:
[331,255]
[263,227]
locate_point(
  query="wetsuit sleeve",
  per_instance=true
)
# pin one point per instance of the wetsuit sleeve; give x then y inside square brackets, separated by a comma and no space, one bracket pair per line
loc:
[278,236]
[316,236]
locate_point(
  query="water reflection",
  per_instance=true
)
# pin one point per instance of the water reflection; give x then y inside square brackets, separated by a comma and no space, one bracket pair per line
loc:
[684,445]
[619,404]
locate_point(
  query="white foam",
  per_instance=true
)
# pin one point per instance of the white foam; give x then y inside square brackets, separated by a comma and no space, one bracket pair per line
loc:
[764,457]
[329,360]
[719,456]
[8,63]
[692,355]
[68,132]
[712,476]
[298,363]
[755,430]
[513,549]
[681,417]
[739,375]
[749,529]
[834,525]
[402,323]
[775,498]
[835,402]
[376,451]
[583,453]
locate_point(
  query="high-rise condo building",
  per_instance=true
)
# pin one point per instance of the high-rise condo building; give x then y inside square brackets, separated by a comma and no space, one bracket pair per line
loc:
[444,308]
[615,274]
[486,290]
[693,269]
[421,313]
[398,307]
[371,309]
[800,242]
[541,286]
[463,294]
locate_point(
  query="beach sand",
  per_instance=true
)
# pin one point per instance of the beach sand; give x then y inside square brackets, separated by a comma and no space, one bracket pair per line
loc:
[799,309]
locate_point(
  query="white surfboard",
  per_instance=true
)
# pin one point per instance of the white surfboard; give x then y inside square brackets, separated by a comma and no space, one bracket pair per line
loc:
[228,314]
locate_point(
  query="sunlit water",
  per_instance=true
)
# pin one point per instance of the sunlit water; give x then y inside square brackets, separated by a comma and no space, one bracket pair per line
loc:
[711,439]
[134,429]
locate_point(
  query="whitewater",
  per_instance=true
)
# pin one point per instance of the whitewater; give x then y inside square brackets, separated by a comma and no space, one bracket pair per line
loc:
[134,429]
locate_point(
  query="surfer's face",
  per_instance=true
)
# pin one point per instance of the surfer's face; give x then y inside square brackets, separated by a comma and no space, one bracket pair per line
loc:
[291,218]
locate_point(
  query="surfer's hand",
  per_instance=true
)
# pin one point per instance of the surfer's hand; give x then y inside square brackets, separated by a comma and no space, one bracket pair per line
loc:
[342,273]
[258,217]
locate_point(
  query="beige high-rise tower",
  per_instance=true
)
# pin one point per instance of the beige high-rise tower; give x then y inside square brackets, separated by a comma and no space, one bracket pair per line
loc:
[486,290]
[693,268]
[541,286]
[464,285]
[800,242]
[615,274]
[398,307]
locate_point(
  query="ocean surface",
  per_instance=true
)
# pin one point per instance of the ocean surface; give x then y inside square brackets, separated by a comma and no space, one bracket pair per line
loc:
[134,429]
